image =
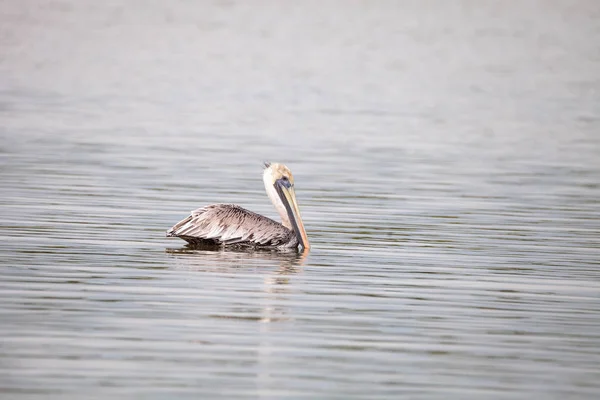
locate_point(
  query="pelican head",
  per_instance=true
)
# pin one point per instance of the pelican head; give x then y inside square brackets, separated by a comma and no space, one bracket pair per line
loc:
[279,184]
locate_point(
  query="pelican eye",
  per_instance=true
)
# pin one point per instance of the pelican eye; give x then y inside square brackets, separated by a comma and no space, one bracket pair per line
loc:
[285,181]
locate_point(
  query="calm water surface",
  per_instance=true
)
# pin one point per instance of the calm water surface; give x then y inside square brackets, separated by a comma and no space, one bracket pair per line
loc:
[447,164]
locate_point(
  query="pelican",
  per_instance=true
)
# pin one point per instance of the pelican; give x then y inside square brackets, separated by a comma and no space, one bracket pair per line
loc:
[232,225]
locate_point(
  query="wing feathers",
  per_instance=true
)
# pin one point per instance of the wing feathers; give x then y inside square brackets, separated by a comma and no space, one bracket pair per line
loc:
[228,224]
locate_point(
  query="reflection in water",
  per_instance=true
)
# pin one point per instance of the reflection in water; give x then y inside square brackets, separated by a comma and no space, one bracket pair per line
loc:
[209,257]
[281,264]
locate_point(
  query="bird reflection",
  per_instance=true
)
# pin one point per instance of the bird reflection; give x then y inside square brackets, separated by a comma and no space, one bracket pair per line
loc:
[209,258]
[276,286]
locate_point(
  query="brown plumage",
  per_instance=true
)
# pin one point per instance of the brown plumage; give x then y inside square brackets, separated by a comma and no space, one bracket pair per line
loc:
[231,225]
[228,224]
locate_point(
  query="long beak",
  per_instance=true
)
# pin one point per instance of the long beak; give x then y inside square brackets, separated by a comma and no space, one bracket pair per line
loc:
[288,198]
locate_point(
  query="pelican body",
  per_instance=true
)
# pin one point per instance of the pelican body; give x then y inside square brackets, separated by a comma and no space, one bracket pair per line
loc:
[232,225]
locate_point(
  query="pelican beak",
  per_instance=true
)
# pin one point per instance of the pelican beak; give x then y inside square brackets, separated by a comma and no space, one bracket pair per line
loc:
[286,192]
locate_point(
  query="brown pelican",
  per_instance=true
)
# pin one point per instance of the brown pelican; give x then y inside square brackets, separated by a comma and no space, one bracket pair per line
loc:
[232,225]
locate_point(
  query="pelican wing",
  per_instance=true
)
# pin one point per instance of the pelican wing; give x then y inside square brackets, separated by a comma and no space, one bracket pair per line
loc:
[228,224]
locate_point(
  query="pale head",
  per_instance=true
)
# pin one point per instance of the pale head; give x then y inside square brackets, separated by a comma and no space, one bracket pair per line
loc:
[279,184]
[275,171]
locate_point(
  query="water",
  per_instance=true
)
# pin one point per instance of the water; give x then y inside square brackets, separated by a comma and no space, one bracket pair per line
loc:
[446,158]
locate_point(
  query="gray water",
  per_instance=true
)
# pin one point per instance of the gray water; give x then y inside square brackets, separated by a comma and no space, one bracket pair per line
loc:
[447,166]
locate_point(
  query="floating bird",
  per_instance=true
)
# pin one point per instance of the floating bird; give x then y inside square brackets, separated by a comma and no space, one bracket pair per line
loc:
[232,225]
